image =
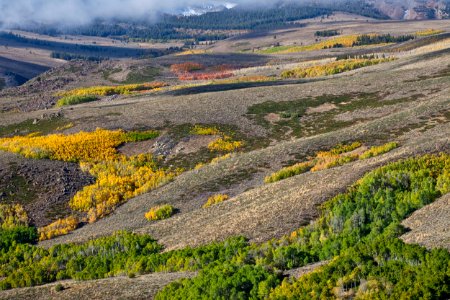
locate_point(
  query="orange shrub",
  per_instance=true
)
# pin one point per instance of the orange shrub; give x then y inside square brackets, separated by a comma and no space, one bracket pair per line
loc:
[186,67]
[205,76]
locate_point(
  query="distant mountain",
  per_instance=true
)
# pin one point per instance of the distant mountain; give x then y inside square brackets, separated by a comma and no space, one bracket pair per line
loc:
[206,8]
[394,9]
[413,9]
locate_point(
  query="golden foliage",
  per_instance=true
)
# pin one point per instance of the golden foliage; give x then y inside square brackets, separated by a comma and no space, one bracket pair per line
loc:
[332,68]
[345,41]
[378,150]
[199,166]
[117,181]
[193,52]
[220,158]
[118,178]
[289,171]
[204,130]
[160,212]
[215,199]
[343,148]
[326,160]
[254,78]
[213,161]
[225,144]
[428,32]
[112,90]
[337,156]
[83,146]
[57,228]
[12,215]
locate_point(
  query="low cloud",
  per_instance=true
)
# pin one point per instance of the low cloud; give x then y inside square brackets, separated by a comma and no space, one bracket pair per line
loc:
[80,12]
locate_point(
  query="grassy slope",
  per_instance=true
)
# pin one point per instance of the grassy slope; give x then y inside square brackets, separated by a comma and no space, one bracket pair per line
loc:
[197,226]
[406,77]
[429,225]
[242,175]
[142,287]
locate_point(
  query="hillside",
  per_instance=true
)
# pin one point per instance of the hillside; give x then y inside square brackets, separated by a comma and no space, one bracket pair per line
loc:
[426,232]
[308,162]
[413,10]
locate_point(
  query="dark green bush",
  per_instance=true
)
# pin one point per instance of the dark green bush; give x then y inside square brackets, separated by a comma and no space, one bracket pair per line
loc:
[227,281]
[160,212]
[59,287]
[138,136]
[17,235]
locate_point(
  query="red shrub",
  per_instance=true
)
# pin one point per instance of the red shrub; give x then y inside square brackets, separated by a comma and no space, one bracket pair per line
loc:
[186,67]
[205,76]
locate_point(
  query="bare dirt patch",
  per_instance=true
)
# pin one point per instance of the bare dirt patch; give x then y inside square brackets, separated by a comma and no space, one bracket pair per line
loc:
[141,287]
[167,146]
[135,148]
[321,108]
[430,226]
[376,112]
[299,272]
[272,118]
[193,144]
[43,187]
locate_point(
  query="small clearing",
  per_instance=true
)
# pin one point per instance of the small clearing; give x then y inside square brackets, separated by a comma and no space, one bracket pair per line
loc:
[141,287]
[430,226]
[321,108]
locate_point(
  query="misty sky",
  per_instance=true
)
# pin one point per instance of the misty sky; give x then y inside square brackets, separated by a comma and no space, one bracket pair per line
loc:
[78,12]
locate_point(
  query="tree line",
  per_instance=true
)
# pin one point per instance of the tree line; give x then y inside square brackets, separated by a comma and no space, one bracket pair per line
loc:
[239,18]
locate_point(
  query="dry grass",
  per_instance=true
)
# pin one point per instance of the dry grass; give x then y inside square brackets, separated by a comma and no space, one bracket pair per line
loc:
[349,25]
[141,287]
[230,107]
[430,225]
[299,272]
[428,32]
[256,211]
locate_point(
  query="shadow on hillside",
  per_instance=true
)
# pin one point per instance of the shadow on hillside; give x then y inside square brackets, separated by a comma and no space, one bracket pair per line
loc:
[235,86]
[240,60]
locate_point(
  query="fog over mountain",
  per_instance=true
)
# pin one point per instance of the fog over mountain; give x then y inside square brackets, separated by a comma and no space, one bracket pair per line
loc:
[80,12]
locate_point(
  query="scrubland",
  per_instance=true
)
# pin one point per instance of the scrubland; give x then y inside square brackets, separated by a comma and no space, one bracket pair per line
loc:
[248,178]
